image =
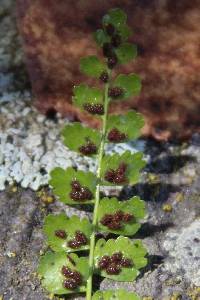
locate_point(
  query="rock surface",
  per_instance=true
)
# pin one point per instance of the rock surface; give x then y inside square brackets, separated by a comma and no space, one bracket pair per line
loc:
[172,238]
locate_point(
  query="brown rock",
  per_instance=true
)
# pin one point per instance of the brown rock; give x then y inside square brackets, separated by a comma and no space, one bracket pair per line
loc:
[57,33]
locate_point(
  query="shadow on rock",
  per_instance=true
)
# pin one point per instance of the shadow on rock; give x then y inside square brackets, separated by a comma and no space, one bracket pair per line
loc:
[149,230]
[153,262]
[169,164]
[158,192]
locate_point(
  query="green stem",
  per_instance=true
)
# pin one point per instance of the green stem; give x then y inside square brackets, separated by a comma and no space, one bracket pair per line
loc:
[97,196]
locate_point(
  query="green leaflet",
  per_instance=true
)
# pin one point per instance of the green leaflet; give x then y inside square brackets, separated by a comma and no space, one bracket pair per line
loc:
[50,270]
[118,18]
[61,182]
[134,164]
[131,84]
[133,206]
[85,94]
[70,226]
[115,295]
[124,31]
[133,250]
[92,66]
[101,37]
[126,52]
[129,123]
[76,135]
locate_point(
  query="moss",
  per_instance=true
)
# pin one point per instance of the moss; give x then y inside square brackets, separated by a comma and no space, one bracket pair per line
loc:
[194,294]
[167,207]
[11,254]
[176,296]
[44,196]
[173,282]
[51,296]
[153,178]
[14,189]
[179,197]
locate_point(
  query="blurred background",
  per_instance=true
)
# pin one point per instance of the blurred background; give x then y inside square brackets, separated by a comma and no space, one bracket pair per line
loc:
[56,34]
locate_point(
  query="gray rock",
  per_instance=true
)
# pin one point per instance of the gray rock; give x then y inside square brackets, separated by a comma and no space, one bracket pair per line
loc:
[172,238]
[21,241]
[184,252]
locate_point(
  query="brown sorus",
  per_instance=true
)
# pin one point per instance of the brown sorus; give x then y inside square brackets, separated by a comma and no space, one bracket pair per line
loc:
[79,240]
[60,234]
[70,283]
[81,237]
[116,176]
[118,216]
[66,271]
[104,77]
[113,264]
[113,269]
[107,218]
[116,220]
[88,149]
[109,221]
[115,136]
[73,278]
[114,225]
[94,109]
[115,92]
[127,217]
[104,262]
[80,193]
[126,262]
[112,61]
[116,257]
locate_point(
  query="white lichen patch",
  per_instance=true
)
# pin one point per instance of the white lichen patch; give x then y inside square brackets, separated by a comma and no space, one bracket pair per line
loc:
[184,252]
[31,146]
